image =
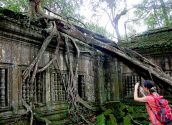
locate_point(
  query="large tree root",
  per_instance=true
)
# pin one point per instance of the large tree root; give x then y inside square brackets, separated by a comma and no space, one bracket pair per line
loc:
[29,110]
[34,67]
[71,85]
[85,104]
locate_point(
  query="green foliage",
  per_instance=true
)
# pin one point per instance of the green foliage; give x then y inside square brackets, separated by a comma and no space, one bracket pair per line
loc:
[100,120]
[156,13]
[15,5]
[127,120]
[131,110]
[112,120]
[116,113]
[66,8]
[107,112]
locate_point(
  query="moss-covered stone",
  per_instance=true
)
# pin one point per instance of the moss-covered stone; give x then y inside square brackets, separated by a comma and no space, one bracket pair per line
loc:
[152,41]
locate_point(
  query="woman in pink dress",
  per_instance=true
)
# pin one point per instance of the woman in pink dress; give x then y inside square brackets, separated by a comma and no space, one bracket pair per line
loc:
[147,91]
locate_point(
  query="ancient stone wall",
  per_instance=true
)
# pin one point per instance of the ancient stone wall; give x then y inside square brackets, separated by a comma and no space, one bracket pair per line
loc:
[155,45]
[98,79]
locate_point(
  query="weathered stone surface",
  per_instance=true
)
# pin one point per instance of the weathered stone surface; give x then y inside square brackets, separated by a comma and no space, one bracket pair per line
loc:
[19,45]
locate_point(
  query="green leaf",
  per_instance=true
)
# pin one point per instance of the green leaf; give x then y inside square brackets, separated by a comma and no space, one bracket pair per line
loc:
[127,120]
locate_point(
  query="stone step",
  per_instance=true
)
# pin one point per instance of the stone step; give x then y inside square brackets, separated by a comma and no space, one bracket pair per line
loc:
[55,112]
[61,122]
[57,116]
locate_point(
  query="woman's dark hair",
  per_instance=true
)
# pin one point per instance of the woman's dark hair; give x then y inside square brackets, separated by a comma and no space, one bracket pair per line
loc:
[150,85]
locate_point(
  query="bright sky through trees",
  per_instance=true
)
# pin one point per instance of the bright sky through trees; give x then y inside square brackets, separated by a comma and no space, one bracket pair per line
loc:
[104,21]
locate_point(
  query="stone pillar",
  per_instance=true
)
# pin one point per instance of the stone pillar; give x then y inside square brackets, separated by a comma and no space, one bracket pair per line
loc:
[15,89]
[47,86]
[115,79]
[100,82]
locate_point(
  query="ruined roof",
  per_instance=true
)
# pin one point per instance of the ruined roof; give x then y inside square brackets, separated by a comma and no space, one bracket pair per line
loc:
[18,17]
[157,38]
[16,24]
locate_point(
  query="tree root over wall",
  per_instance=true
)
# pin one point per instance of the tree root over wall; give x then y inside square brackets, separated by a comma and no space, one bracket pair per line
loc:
[70,87]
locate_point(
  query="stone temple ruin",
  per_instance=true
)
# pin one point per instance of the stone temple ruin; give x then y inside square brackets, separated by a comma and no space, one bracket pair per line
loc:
[106,72]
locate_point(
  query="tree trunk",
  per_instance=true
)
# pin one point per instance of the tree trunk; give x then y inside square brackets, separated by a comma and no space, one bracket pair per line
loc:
[117,30]
[142,67]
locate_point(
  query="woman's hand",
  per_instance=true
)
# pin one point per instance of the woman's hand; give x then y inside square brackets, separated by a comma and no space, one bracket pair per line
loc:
[137,85]
[142,91]
[136,98]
